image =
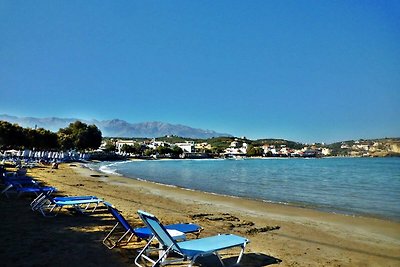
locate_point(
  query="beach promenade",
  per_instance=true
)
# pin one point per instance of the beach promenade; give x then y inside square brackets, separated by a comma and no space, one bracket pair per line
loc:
[280,235]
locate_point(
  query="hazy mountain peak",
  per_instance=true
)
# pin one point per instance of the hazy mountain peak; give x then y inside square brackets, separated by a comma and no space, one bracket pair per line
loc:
[117,127]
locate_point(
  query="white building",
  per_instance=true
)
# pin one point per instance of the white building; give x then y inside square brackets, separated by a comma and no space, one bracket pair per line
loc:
[187,147]
[326,151]
[120,143]
[234,144]
[203,146]
[154,144]
[236,149]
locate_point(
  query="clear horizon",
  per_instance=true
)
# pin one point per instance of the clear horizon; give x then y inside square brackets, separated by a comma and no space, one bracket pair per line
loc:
[308,71]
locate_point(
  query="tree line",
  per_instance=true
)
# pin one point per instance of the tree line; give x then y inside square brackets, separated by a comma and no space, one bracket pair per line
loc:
[77,135]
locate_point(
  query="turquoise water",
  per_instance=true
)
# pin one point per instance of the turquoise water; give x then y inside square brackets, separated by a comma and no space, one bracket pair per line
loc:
[356,186]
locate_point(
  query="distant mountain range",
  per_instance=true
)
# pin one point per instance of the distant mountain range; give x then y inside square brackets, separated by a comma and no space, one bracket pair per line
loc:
[116,127]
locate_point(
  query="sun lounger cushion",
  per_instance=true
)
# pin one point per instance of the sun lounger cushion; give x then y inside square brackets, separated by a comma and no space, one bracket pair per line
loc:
[188,228]
[207,245]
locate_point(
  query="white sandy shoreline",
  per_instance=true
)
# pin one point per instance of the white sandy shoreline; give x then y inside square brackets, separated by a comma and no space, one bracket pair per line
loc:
[250,207]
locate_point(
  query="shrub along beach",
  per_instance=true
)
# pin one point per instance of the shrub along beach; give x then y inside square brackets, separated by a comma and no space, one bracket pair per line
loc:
[290,236]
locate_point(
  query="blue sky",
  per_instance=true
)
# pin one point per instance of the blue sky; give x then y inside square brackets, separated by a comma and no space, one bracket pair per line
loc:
[309,71]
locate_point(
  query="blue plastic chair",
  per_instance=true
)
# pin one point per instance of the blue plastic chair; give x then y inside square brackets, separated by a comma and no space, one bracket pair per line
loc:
[142,232]
[188,250]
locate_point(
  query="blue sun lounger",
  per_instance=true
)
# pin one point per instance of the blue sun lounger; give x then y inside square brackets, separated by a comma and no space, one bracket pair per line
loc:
[34,190]
[188,250]
[25,185]
[142,232]
[48,204]
[42,198]
[17,181]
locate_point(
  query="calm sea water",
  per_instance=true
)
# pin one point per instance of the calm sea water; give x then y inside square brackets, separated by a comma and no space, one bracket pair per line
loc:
[357,186]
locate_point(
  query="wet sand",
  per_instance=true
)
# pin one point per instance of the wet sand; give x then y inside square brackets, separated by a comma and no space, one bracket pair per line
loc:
[279,234]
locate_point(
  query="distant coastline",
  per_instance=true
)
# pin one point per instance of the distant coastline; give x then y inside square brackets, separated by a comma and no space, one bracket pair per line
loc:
[82,141]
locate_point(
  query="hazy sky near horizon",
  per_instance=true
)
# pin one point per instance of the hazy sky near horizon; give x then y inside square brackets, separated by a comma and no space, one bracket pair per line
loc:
[309,71]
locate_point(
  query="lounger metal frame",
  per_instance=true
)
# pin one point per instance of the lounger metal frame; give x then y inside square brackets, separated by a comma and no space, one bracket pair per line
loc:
[169,244]
[107,241]
[130,232]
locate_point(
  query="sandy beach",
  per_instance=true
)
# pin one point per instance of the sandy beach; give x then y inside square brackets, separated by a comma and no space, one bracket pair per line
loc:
[279,234]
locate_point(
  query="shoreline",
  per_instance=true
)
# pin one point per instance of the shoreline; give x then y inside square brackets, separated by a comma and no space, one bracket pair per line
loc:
[315,207]
[290,236]
[205,194]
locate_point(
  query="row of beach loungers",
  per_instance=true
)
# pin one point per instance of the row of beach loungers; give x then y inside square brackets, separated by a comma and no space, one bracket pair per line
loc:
[170,241]
[30,155]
